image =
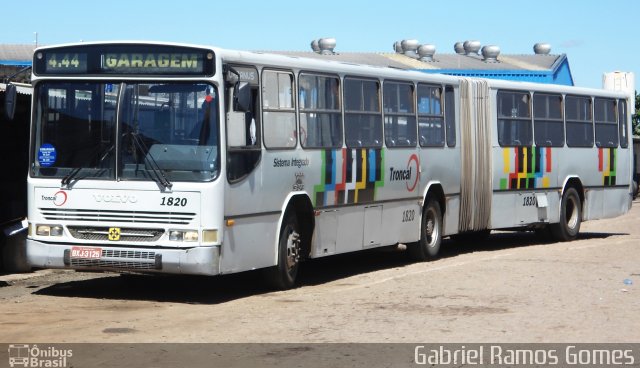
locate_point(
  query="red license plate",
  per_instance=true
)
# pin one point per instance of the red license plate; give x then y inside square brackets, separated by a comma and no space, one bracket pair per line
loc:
[86,252]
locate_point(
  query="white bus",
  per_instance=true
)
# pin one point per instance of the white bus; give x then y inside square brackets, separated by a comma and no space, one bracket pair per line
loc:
[154,157]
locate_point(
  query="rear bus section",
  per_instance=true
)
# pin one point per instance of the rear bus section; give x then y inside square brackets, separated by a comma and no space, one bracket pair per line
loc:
[562,157]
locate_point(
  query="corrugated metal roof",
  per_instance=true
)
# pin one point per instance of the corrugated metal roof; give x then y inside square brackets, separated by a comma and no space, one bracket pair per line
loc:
[24,52]
[532,67]
[16,52]
[441,61]
[375,59]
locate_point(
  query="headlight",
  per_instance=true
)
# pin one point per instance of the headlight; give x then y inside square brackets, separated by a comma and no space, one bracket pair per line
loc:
[183,235]
[191,236]
[49,230]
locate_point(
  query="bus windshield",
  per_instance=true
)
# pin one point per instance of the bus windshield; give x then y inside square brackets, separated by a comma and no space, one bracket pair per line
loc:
[126,131]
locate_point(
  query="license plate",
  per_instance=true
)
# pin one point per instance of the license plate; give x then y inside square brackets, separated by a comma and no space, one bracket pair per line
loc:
[86,252]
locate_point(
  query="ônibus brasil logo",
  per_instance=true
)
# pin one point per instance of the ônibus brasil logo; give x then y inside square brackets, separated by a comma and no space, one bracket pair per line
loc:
[23,355]
[59,199]
[407,174]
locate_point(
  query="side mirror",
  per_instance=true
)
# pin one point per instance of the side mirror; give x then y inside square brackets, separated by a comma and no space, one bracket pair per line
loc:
[10,101]
[242,97]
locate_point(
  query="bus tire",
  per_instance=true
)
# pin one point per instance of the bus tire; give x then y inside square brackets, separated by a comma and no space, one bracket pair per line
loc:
[428,246]
[283,275]
[570,216]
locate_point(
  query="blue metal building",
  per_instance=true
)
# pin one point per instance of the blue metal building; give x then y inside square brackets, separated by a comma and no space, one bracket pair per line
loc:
[468,59]
[16,55]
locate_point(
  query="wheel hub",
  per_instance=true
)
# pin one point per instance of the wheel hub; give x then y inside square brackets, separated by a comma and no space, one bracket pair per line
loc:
[293,249]
[430,229]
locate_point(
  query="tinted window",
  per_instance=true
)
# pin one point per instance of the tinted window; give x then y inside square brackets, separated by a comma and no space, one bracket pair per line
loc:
[363,120]
[320,117]
[514,119]
[430,116]
[169,126]
[450,115]
[399,115]
[622,123]
[606,122]
[547,120]
[579,122]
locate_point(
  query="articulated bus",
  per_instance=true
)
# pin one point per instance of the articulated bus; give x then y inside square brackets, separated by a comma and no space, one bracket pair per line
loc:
[168,158]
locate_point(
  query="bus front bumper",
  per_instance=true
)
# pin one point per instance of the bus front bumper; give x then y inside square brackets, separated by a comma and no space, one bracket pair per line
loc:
[202,260]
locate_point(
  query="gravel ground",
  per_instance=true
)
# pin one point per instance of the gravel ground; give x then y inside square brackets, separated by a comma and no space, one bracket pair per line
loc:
[513,287]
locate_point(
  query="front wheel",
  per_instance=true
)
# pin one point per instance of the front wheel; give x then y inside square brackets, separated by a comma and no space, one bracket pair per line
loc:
[570,216]
[428,246]
[283,275]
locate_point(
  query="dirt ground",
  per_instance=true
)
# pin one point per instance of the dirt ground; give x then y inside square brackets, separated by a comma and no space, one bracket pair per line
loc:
[513,287]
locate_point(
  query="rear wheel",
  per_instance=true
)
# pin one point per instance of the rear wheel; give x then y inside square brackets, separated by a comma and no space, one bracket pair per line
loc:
[570,216]
[283,275]
[428,246]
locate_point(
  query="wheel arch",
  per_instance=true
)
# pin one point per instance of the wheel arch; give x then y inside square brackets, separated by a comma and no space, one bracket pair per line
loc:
[427,247]
[574,182]
[434,190]
[300,204]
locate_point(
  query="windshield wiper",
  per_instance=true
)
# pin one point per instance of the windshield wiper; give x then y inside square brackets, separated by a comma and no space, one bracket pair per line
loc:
[68,180]
[159,174]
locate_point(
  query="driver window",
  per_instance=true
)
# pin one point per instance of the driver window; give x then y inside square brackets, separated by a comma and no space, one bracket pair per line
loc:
[243,156]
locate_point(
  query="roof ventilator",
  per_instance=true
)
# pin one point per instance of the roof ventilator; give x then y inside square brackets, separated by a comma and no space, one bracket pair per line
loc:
[459,48]
[426,52]
[490,54]
[409,48]
[541,48]
[471,47]
[413,49]
[397,47]
[315,47]
[324,46]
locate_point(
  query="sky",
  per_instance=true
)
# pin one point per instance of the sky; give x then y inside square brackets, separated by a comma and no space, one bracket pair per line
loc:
[597,36]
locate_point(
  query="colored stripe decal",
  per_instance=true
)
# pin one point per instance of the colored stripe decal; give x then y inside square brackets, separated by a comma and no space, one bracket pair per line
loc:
[530,165]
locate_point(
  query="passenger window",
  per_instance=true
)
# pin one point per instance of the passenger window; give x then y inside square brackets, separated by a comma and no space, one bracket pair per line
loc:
[278,110]
[622,123]
[514,119]
[320,116]
[606,122]
[399,115]
[363,120]
[450,115]
[579,121]
[430,116]
[547,120]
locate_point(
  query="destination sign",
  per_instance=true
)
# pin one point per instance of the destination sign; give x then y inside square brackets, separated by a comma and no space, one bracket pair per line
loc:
[152,63]
[66,62]
[124,59]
